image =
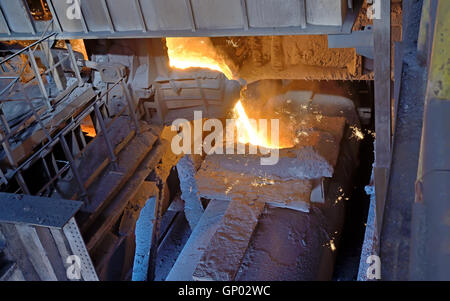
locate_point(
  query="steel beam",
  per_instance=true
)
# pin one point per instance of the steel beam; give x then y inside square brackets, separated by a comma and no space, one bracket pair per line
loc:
[74,169]
[131,106]
[37,74]
[245,14]
[27,16]
[54,15]
[430,258]
[74,63]
[108,16]
[194,31]
[36,211]
[191,15]
[112,155]
[356,39]
[140,15]
[302,14]
[5,23]
[382,45]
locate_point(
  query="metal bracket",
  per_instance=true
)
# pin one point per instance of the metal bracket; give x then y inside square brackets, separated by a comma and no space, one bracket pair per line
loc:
[361,40]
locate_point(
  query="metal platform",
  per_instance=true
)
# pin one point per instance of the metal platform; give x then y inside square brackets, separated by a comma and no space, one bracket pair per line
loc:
[36,211]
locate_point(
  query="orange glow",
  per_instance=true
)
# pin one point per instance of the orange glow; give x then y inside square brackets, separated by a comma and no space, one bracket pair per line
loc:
[250,133]
[199,52]
[185,53]
[88,130]
[87,127]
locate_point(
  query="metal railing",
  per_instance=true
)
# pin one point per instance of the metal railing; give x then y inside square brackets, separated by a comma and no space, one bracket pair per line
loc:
[9,131]
[15,79]
[95,109]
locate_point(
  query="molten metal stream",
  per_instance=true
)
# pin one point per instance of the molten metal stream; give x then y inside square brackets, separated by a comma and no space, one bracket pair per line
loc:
[250,130]
[187,53]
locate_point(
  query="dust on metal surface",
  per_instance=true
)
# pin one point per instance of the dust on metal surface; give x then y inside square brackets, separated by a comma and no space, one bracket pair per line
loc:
[36,211]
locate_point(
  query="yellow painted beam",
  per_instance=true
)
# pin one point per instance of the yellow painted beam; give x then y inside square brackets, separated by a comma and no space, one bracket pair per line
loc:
[439,77]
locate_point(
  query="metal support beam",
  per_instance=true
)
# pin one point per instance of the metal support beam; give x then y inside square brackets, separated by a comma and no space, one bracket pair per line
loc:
[54,15]
[382,45]
[37,74]
[43,212]
[57,72]
[27,15]
[83,20]
[111,154]
[245,14]
[3,178]
[74,169]
[21,181]
[74,63]
[302,14]
[54,163]
[27,48]
[47,170]
[140,15]
[36,116]
[5,23]
[155,233]
[191,15]
[361,40]
[108,16]
[131,106]
[7,148]
[4,121]
[238,27]
[73,235]
[430,256]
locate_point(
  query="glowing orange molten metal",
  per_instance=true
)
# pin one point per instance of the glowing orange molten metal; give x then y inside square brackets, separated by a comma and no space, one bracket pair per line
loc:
[185,53]
[87,127]
[88,130]
[249,130]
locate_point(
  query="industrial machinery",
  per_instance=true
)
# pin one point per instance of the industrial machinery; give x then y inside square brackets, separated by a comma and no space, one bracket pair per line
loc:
[221,140]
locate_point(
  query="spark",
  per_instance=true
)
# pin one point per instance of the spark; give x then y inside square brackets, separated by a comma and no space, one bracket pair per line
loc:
[332,246]
[357,133]
[319,118]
